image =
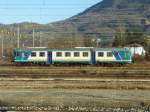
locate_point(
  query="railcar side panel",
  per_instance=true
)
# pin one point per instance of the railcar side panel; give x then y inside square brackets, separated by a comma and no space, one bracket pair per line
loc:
[71,56]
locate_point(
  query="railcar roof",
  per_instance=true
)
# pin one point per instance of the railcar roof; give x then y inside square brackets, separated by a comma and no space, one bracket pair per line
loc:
[35,49]
[108,49]
[72,49]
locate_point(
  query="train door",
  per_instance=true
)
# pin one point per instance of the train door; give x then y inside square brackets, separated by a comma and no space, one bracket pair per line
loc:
[93,58]
[49,57]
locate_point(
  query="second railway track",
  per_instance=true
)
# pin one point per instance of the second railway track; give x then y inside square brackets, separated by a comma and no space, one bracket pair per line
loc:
[135,71]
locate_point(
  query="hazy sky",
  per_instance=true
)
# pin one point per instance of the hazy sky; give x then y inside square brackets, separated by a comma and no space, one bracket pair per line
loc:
[41,11]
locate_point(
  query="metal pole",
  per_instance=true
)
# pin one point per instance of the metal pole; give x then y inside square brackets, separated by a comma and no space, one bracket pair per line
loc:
[2,46]
[97,43]
[18,37]
[40,39]
[33,39]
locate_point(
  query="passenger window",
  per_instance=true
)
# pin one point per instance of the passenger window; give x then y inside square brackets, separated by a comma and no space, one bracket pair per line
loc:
[42,54]
[76,54]
[59,54]
[85,54]
[33,54]
[16,54]
[67,54]
[100,54]
[109,54]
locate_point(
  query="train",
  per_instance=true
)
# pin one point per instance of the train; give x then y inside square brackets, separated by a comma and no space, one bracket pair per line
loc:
[88,56]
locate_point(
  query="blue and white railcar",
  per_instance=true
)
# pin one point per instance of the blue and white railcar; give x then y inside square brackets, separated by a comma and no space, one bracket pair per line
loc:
[32,55]
[113,55]
[74,55]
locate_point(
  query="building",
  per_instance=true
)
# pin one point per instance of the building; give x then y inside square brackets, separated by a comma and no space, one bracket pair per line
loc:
[137,49]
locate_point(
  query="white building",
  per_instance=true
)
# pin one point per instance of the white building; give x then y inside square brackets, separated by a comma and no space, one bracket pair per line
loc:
[137,49]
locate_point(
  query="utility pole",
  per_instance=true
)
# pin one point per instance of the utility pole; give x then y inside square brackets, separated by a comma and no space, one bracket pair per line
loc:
[18,37]
[2,46]
[40,39]
[33,38]
[98,42]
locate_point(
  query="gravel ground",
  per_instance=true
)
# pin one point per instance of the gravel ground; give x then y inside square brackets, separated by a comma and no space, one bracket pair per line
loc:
[76,100]
[75,96]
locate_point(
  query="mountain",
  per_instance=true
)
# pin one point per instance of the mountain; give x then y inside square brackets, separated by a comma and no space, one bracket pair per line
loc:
[103,20]
[106,18]
[111,16]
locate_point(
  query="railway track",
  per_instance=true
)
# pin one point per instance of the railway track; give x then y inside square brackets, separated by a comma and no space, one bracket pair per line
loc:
[133,71]
[72,68]
[59,72]
[76,79]
[136,65]
[74,83]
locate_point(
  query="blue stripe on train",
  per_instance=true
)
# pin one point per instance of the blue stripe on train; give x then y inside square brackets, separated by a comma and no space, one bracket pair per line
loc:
[49,61]
[122,54]
[119,55]
[93,57]
[116,55]
[28,53]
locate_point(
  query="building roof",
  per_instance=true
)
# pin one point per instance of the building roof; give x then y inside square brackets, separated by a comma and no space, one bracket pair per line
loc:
[134,45]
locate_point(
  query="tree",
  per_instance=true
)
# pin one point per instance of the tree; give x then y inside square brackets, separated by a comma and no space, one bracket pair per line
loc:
[128,37]
[136,37]
[89,42]
[120,39]
[148,52]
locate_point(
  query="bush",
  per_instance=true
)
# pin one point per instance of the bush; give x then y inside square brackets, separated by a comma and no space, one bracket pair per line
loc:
[147,57]
[138,58]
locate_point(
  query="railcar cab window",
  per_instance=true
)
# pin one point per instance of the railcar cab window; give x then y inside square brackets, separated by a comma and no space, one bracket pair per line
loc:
[76,54]
[100,54]
[16,54]
[109,54]
[59,54]
[33,54]
[42,54]
[24,54]
[116,53]
[67,54]
[85,54]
